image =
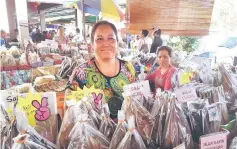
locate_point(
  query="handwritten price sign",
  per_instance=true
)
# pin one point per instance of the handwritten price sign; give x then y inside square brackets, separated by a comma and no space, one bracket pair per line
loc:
[186,94]
[216,141]
[35,106]
[138,88]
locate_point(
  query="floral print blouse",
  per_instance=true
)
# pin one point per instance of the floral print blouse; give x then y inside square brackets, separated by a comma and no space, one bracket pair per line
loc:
[88,75]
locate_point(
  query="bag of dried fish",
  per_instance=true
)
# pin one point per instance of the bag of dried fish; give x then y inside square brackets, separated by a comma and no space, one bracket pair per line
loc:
[158,111]
[120,131]
[26,130]
[219,97]
[211,116]
[23,142]
[8,129]
[176,130]
[132,139]
[70,119]
[143,119]
[233,144]
[107,126]
[85,136]
[195,118]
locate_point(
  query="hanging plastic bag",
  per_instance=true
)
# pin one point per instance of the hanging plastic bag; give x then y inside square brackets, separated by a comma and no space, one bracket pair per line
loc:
[107,126]
[85,136]
[176,130]
[158,111]
[8,129]
[25,129]
[233,144]
[219,97]
[144,120]
[211,116]
[70,117]
[195,119]
[120,131]
[23,142]
[132,139]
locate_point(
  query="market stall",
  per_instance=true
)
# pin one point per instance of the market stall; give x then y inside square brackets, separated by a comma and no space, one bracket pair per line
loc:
[192,113]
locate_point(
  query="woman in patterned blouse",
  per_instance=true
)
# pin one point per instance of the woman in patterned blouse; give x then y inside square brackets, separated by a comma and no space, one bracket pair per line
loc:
[105,71]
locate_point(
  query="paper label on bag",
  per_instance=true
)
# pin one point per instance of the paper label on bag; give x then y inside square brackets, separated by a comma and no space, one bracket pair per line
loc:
[138,88]
[214,141]
[186,94]
[185,78]
[38,106]
[213,114]
[181,146]
[75,96]
[25,104]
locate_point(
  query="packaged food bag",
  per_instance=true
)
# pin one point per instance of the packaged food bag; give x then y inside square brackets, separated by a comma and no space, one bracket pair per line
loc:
[85,136]
[176,130]
[28,135]
[23,142]
[70,119]
[211,116]
[158,111]
[143,119]
[107,126]
[233,144]
[132,139]
[120,131]
[8,129]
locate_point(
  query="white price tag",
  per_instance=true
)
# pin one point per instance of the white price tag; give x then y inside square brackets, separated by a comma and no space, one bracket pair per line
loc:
[214,141]
[142,87]
[186,94]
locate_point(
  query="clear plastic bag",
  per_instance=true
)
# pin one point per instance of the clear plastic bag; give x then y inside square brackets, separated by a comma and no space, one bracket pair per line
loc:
[8,129]
[132,139]
[32,134]
[158,111]
[70,119]
[233,144]
[107,126]
[144,120]
[195,119]
[211,116]
[219,97]
[23,142]
[85,136]
[120,131]
[176,130]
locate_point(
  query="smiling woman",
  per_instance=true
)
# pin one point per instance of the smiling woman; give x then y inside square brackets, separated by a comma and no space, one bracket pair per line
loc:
[105,71]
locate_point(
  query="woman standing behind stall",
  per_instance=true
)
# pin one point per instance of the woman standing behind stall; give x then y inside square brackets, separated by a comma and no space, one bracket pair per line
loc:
[105,71]
[60,37]
[161,77]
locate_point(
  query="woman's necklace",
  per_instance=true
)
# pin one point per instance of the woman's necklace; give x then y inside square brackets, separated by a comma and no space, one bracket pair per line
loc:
[114,72]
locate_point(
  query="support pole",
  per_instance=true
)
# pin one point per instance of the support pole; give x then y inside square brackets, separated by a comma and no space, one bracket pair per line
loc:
[76,20]
[83,20]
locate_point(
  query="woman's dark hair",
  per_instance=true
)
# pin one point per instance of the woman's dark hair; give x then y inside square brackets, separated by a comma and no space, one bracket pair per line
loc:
[165,48]
[158,32]
[145,32]
[103,23]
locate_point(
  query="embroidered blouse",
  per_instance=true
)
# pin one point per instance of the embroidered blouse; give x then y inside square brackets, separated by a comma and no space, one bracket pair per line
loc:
[88,74]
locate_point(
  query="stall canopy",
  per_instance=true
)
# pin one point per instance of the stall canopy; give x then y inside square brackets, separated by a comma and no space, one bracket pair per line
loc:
[104,8]
[173,17]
